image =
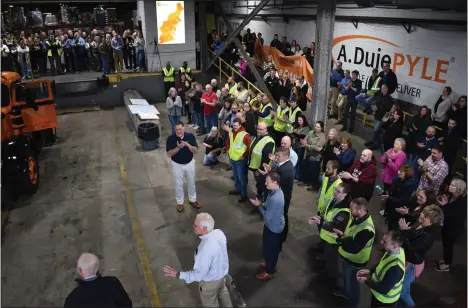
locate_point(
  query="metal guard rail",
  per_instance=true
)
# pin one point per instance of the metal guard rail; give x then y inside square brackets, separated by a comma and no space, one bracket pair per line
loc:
[233,70]
[249,84]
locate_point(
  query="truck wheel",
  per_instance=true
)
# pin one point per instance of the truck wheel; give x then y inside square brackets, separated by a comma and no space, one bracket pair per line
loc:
[29,180]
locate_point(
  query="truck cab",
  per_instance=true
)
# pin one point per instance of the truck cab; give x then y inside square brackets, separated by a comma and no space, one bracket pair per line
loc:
[29,122]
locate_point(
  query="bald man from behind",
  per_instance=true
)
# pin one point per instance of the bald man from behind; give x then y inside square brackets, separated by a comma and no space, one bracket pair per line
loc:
[94,290]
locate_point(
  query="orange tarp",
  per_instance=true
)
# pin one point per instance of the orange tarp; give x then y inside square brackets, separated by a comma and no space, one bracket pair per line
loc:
[296,66]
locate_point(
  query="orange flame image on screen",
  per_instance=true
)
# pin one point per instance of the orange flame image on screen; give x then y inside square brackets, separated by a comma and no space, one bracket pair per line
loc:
[168,27]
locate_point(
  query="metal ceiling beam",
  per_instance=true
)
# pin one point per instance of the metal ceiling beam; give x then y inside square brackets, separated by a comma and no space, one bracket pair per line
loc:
[375,13]
[236,32]
[251,65]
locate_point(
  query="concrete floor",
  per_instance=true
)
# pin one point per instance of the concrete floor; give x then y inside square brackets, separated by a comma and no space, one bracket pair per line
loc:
[84,204]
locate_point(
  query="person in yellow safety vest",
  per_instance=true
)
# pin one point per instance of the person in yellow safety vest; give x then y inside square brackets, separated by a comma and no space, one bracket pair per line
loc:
[231,86]
[293,112]
[367,98]
[280,120]
[355,247]
[241,94]
[385,279]
[336,217]
[263,113]
[238,146]
[330,180]
[54,54]
[186,70]
[168,77]
[262,146]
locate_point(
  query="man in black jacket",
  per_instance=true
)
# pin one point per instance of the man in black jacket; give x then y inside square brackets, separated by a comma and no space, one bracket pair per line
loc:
[284,167]
[450,141]
[352,89]
[335,217]
[355,247]
[389,78]
[93,290]
[382,105]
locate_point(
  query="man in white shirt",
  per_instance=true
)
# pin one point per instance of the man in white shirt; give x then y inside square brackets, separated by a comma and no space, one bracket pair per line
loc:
[211,264]
[286,143]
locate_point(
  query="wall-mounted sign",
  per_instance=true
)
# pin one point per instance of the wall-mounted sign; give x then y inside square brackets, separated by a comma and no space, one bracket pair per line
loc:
[170,18]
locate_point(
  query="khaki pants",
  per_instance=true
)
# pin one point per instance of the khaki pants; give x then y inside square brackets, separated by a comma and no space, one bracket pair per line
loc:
[215,293]
[332,97]
[341,103]
[118,60]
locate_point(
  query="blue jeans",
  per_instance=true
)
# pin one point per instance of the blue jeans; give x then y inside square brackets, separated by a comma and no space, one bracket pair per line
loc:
[209,159]
[311,172]
[376,135]
[300,159]
[196,119]
[405,297]
[174,120]
[25,66]
[271,249]
[351,286]
[141,59]
[211,120]
[104,63]
[366,101]
[240,176]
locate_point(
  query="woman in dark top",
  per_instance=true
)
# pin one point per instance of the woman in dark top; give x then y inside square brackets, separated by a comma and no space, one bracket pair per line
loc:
[418,241]
[392,129]
[417,127]
[416,204]
[346,154]
[297,95]
[250,122]
[329,149]
[399,194]
[453,224]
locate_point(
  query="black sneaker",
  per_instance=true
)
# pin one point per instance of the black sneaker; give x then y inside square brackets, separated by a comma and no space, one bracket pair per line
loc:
[234,193]
[368,143]
[242,199]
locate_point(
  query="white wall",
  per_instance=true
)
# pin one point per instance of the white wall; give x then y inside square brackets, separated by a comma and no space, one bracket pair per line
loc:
[433,45]
[177,53]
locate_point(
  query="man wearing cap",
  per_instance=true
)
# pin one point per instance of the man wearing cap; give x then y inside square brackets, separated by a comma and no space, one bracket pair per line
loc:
[186,70]
[336,76]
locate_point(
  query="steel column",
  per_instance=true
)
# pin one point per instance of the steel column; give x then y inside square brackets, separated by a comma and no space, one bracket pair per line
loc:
[202,39]
[322,64]
[236,32]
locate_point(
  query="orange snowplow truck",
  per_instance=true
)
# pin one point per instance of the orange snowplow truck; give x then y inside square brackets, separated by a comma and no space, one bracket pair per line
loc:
[29,122]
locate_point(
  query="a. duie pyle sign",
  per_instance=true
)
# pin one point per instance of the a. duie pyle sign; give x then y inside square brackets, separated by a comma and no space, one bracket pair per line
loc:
[424,60]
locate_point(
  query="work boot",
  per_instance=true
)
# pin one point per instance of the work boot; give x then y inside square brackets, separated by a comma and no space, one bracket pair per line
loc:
[180,208]
[242,199]
[264,276]
[195,204]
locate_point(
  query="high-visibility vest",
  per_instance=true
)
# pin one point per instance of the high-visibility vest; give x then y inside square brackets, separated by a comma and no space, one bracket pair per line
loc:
[183,70]
[278,125]
[326,194]
[168,75]
[267,119]
[385,263]
[363,255]
[236,145]
[59,49]
[256,155]
[240,94]
[375,86]
[231,90]
[328,218]
[292,117]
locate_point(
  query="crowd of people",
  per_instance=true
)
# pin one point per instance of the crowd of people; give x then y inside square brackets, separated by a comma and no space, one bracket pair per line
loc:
[39,54]
[282,150]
